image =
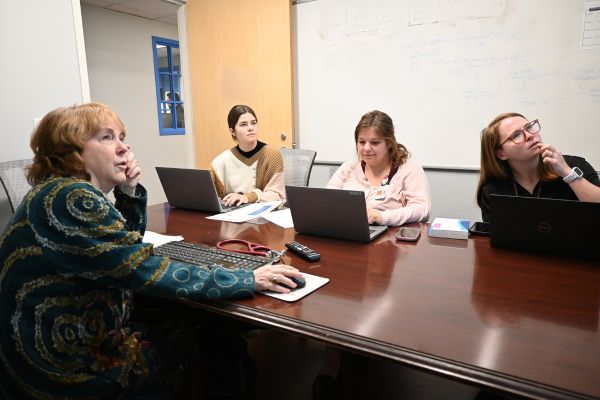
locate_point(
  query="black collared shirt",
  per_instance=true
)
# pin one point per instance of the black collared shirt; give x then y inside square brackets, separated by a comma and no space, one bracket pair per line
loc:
[554,189]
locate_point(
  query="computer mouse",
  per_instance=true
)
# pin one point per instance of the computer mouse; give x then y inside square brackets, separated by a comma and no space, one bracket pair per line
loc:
[300,283]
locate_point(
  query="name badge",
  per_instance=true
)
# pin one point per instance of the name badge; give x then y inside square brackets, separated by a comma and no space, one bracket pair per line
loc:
[380,193]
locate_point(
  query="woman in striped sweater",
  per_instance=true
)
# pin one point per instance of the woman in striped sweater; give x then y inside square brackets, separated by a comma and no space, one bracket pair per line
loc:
[252,171]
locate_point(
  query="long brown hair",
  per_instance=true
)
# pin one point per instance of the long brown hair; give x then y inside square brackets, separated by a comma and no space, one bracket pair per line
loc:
[385,127]
[57,141]
[493,168]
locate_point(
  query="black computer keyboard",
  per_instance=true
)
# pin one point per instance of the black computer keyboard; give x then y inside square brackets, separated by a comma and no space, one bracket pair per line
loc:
[208,256]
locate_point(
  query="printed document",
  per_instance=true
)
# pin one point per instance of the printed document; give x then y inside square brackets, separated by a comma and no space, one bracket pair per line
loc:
[247,213]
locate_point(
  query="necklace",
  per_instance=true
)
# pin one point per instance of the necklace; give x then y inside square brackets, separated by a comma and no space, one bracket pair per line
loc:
[385,179]
[537,195]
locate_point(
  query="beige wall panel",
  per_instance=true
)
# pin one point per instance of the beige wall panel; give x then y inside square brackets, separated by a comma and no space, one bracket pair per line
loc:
[239,53]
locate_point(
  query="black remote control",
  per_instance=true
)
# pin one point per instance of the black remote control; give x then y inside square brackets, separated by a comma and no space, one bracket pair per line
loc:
[303,251]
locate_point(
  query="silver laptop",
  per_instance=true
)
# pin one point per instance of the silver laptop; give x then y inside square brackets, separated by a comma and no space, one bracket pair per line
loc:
[551,226]
[192,189]
[340,214]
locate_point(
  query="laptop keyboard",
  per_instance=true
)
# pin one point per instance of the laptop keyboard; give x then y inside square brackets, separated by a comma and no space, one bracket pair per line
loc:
[208,256]
[225,208]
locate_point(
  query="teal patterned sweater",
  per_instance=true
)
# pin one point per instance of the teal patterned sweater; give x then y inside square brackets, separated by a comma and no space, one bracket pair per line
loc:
[69,260]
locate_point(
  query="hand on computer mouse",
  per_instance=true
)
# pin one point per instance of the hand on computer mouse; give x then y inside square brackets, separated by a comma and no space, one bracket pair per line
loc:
[300,283]
[272,277]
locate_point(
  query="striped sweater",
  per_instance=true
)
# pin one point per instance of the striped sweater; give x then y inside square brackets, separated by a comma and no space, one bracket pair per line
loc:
[259,177]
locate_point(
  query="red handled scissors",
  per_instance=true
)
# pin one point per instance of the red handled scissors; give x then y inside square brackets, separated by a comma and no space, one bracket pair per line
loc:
[254,249]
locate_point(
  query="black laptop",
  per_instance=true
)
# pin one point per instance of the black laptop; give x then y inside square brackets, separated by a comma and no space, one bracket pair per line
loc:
[192,189]
[340,214]
[551,226]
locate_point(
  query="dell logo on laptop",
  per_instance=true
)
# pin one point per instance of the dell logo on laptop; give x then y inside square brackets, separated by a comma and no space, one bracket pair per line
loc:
[544,227]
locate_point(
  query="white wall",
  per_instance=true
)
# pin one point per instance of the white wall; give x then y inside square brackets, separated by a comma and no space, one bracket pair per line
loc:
[121,75]
[40,70]
[453,194]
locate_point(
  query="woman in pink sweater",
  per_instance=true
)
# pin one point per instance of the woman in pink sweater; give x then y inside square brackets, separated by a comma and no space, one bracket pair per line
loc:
[396,189]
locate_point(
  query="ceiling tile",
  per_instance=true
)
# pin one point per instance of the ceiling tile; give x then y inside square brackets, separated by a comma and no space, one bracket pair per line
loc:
[134,11]
[101,3]
[158,7]
[158,10]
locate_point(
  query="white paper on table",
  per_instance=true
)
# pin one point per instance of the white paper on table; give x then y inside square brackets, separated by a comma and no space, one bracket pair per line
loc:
[283,218]
[158,239]
[249,212]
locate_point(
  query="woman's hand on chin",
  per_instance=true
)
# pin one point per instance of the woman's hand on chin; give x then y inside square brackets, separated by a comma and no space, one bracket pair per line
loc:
[133,174]
[553,157]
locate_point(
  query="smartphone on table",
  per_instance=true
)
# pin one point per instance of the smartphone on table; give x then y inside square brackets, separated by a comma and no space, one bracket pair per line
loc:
[480,228]
[408,234]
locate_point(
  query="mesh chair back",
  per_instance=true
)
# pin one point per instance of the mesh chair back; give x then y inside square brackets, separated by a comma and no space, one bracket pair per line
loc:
[14,181]
[297,165]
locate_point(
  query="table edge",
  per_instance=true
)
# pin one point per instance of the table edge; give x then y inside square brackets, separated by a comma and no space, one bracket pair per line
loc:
[389,352]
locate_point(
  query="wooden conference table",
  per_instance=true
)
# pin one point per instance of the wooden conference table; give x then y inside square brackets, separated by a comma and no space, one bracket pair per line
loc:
[522,323]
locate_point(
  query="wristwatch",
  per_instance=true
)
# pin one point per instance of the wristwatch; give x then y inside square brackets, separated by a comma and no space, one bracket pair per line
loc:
[576,173]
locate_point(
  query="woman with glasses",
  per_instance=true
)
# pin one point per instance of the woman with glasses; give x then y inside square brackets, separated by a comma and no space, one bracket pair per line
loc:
[70,261]
[515,161]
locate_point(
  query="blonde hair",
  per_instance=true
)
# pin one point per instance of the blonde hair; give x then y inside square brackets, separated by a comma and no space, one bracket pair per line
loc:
[57,141]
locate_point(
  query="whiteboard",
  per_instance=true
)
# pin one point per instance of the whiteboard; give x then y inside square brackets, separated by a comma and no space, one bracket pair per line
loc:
[442,69]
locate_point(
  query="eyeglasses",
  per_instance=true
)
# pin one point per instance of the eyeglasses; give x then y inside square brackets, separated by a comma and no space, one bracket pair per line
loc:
[518,137]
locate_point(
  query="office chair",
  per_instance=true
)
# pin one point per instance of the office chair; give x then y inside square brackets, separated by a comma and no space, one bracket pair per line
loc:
[14,181]
[297,165]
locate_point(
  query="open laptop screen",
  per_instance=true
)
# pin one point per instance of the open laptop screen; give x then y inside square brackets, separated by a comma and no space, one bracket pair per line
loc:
[192,189]
[340,214]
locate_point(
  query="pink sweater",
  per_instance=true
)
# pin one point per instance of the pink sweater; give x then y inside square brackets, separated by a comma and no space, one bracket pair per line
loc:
[407,198]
